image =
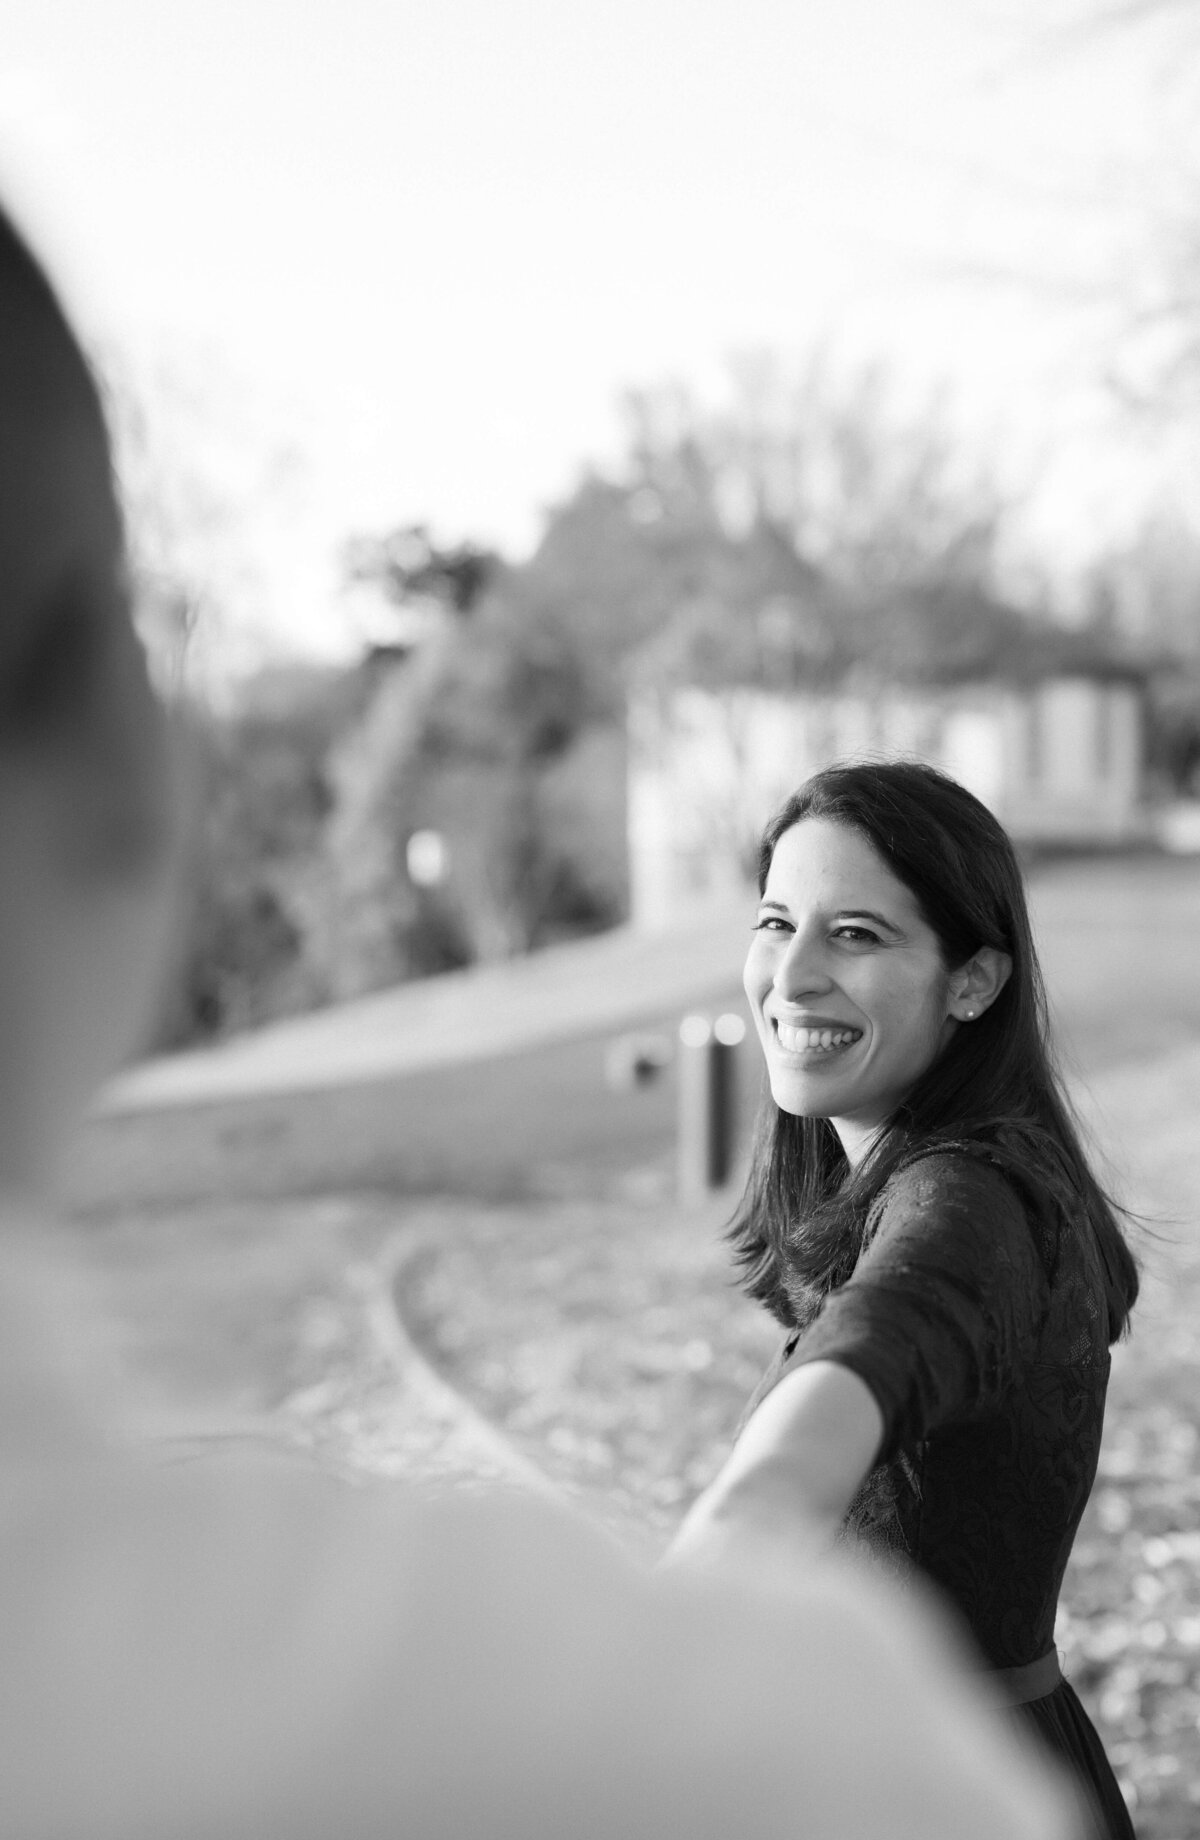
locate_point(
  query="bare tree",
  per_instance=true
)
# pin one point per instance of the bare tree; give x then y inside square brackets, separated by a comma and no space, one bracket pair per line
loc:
[877,493]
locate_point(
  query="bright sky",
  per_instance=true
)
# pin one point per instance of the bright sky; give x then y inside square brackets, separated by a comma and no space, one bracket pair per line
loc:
[396,259]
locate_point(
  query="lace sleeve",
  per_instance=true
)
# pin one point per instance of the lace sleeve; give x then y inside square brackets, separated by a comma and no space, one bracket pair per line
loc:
[946,1303]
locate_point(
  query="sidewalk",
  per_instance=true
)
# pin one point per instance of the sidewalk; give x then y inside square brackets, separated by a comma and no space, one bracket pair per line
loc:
[1143,1118]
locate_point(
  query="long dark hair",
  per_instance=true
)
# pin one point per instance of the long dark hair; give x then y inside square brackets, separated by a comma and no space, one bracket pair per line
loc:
[801,1222]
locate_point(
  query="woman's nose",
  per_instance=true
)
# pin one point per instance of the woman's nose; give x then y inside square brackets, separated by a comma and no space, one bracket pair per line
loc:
[801,970]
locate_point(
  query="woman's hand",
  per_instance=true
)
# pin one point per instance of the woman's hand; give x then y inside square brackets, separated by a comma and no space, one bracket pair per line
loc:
[779,1500]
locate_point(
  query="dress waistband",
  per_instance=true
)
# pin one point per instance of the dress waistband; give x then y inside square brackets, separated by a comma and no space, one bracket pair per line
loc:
[1017,1686]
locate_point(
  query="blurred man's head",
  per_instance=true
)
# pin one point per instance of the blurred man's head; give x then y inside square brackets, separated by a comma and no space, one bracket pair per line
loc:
[83,803]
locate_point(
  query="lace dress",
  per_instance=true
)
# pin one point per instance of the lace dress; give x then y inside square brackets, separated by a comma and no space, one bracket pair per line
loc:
[976,1315]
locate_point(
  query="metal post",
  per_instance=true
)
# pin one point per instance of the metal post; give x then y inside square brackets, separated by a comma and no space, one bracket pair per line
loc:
[706,1102]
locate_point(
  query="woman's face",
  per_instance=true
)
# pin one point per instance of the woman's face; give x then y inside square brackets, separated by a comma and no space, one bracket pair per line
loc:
[846,982]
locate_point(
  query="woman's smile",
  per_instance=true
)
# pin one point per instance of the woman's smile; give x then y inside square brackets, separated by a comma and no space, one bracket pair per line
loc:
[817,1039]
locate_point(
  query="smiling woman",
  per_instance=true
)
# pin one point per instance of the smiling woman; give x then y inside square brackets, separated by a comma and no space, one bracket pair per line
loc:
[921,1219]
[847,982]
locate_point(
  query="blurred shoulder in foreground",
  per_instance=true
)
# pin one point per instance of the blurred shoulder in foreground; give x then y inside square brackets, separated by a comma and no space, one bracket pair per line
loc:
[210,1652]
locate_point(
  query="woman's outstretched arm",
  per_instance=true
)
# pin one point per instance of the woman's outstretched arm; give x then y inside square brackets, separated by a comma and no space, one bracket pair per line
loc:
[792,1474]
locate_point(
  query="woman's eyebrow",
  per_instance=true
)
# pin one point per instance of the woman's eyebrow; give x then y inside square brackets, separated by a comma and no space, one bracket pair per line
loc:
[868,913]
[844,913]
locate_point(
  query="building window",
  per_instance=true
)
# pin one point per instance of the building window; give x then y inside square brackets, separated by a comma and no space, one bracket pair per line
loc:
[1105,722]
[1035,738]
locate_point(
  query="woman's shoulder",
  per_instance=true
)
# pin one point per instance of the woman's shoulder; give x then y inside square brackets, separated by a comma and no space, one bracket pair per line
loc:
[958,1168]
[991,1183]
[1024,1158]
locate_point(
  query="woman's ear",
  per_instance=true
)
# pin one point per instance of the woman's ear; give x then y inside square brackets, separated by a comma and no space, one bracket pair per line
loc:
[975,986]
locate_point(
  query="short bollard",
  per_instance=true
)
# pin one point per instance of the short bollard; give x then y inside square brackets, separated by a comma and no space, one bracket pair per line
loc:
[631,1061]
[707,1099]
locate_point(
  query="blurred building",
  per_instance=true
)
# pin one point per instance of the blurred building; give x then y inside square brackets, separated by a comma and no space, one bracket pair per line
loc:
[1058,758]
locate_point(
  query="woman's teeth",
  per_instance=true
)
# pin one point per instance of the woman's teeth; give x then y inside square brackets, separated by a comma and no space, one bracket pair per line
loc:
[803,1041]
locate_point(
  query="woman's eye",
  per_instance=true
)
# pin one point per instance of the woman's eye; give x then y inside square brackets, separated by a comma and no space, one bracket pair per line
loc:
[771,923]
[857,935]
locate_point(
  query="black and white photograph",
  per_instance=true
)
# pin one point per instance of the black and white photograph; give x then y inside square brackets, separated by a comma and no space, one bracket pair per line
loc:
[600,920]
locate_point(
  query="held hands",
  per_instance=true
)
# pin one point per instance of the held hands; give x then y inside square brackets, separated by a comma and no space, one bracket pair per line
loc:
[777,1504]
[757,1526]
